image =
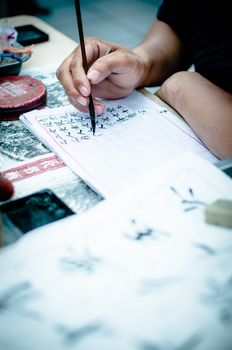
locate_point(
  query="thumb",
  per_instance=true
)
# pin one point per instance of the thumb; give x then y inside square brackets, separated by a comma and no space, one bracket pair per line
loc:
[114,62]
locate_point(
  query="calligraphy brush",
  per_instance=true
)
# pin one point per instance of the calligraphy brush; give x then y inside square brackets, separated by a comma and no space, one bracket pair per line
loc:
[85,65]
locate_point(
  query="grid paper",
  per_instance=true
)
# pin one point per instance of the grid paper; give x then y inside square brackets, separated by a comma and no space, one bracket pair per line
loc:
[132,136]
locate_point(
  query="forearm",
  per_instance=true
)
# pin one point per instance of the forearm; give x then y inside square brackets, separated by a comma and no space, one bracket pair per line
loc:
[163,54]
[204,106]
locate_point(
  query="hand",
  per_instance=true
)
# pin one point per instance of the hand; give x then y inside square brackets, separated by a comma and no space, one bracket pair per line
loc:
[114,73]
[6,189]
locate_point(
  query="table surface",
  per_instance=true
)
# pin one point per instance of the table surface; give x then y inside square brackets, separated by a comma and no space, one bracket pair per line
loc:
[47,53]
[90,288]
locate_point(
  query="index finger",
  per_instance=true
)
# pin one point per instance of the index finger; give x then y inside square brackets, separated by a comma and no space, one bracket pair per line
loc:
[94,49]
[65,76]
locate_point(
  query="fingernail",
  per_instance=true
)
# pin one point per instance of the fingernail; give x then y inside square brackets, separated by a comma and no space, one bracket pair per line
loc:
[84,91]
[82,101]
[99,109]
[93,75]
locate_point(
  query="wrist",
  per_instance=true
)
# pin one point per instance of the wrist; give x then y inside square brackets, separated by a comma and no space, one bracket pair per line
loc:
[144,66]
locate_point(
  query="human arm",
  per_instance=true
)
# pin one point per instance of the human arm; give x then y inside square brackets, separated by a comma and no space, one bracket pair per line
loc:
[116,71]
[205,107]
[163,52]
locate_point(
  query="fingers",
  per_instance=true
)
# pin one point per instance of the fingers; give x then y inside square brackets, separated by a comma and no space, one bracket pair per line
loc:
[112,73]
[71,72]
[76,87]
[6,188]
[74,80]
[99,107]
[117,62]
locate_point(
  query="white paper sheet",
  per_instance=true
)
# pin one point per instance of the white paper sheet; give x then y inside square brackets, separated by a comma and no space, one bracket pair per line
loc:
[134,135]
[136,272]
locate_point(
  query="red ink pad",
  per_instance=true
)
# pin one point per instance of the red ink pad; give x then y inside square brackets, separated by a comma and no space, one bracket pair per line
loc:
[19,94]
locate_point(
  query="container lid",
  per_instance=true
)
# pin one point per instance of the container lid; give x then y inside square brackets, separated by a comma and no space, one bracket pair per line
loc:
[19,94]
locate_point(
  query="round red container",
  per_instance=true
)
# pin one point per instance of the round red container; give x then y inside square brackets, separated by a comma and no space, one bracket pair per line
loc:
[19,94]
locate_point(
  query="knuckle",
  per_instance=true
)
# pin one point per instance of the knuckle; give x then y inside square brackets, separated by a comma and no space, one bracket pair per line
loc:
[59,73]
[73,64]
[72,93]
